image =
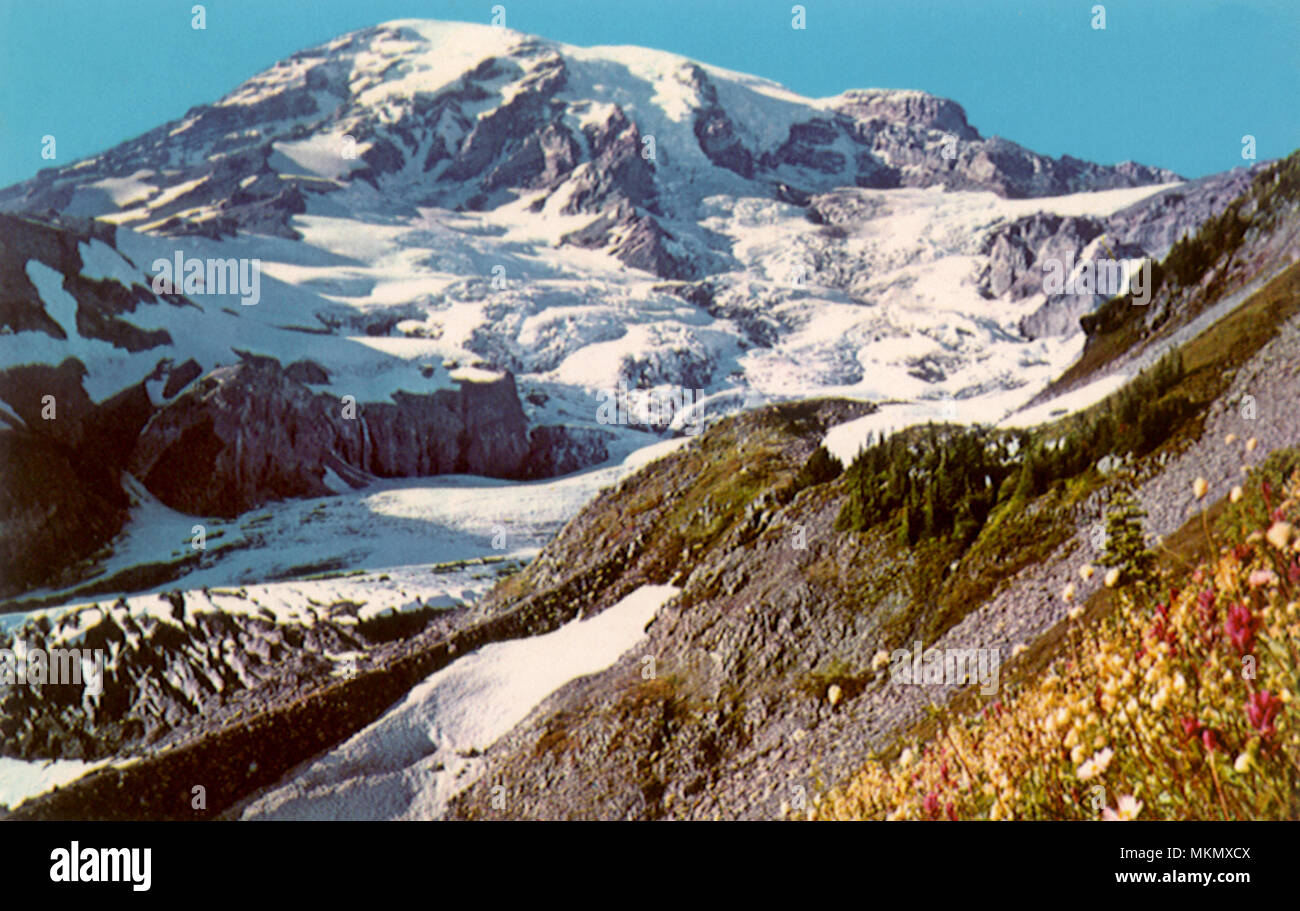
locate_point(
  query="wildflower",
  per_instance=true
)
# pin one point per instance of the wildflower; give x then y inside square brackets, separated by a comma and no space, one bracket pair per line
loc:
[1279,534]
[1236,494]
[1128,808]
[1210,739]
[931,805]
[1200,487]
[905,758]
[1230,439]
[1067,593]
[1241,627]
[1261,710]
[834,694]
[879,660]
[1096,765]
[1018,649]
[1242,765]
[1251,444]
[1085,572]
[1261,577]
[1112,577]
[1075,612]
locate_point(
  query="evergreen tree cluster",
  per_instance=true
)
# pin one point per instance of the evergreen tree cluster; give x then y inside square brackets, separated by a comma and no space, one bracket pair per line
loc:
[943,481]
[1134,421]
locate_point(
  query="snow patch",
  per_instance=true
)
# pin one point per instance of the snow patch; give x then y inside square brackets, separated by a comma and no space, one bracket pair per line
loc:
[424,751]
[22,780]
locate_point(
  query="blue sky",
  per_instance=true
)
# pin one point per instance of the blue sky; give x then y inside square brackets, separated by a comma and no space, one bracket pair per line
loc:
[1174,83]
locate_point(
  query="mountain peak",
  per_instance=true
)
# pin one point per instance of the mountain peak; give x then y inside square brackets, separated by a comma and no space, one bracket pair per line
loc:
[465,116]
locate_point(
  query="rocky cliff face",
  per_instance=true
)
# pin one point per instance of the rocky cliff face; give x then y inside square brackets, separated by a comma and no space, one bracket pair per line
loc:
[1019,251]
[179,663]
[60,456]
[249,433]
[92,387]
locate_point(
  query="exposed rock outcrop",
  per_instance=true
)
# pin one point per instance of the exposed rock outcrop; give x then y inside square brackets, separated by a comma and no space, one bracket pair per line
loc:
[249,433]
[60,499]
[557,450]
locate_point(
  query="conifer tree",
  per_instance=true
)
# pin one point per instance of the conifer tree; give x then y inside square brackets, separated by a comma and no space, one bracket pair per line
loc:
[1125,545]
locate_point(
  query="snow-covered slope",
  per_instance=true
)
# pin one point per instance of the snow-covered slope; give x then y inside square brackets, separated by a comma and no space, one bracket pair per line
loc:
[463,193]
[410,762]
[448,218]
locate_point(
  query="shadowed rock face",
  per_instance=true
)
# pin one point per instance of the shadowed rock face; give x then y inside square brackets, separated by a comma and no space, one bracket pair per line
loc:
[215,444]
[557,450]
[59,464]
[231,441]
[250,433]
[54,508]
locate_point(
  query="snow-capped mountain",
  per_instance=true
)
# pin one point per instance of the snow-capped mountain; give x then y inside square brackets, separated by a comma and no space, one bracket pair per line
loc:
[449,245]
[470,236]
[472,191]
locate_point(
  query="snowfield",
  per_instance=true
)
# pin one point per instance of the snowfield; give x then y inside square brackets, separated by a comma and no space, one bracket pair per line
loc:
[21,780]
[394,528]
[424,750]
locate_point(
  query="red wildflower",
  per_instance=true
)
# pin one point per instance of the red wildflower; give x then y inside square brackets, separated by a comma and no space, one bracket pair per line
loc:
[1261,709]
[1240,627]
[1206,612]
